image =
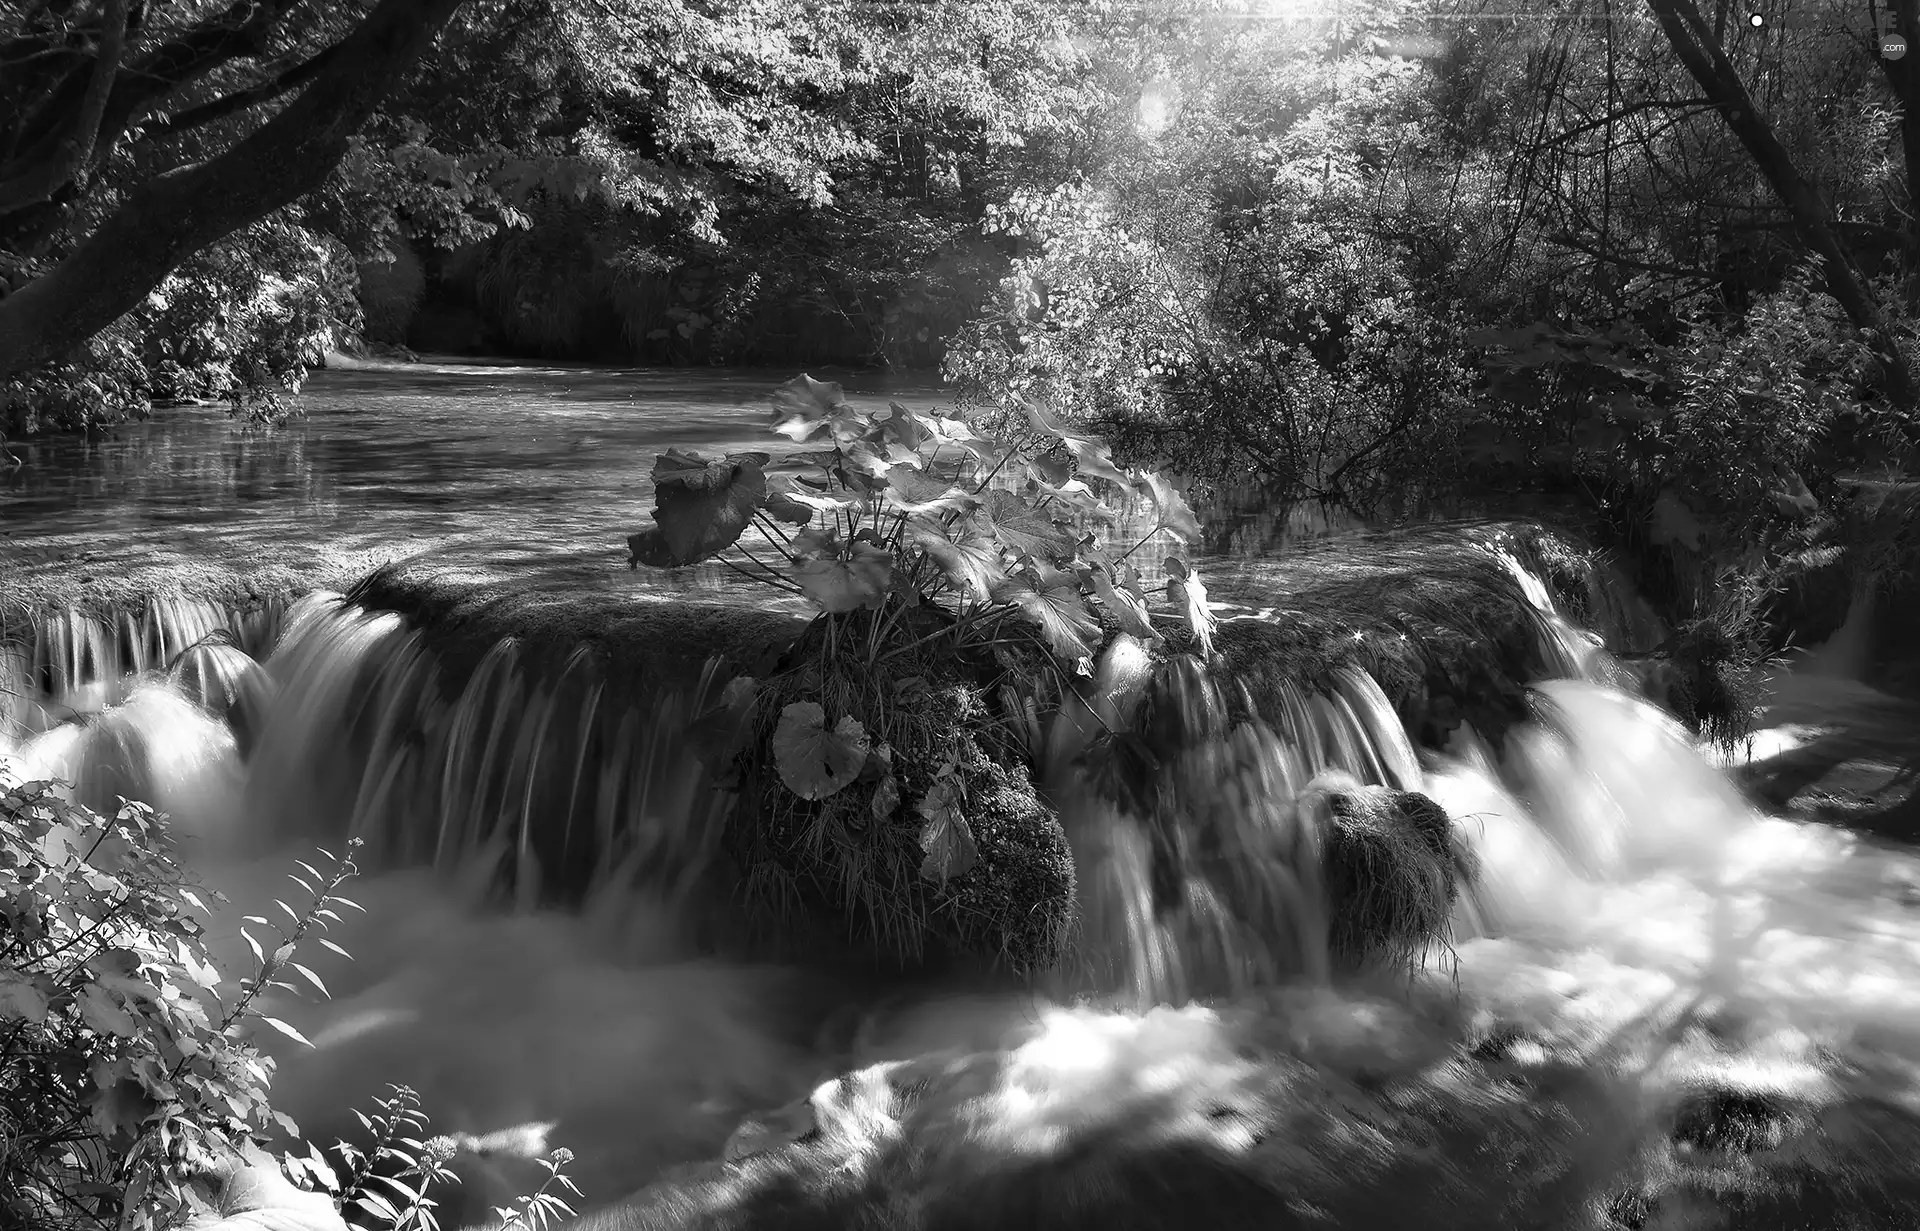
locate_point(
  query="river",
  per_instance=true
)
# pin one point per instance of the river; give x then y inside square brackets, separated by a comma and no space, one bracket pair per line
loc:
[514,469]
[1658,1009]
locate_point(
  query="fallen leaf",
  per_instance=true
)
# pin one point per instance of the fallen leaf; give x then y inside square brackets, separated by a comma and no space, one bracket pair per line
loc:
[946,840]
[813,761]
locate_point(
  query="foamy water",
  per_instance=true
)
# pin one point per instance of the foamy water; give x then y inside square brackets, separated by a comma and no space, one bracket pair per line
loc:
[1636,935]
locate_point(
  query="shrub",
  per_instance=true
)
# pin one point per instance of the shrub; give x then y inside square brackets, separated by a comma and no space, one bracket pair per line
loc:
[962,587]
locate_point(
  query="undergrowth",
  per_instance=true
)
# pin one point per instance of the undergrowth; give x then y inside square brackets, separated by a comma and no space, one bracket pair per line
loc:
[131,1090]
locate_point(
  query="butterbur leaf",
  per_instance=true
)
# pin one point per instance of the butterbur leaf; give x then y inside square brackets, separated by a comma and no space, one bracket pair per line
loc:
[1045,421]
[904,428]
[700,507]
[804,407]
[1048,471]
[813,761]
[815,544]
[1128,611]
[802,461]
[1074,495]
[1025,529]
[1059,611]
[820,501]
[861,580]
[783,506]
[972,565]
[1189,597]
[1171,512]
[1095,459]
[861,459]
[946,840]
[919,493]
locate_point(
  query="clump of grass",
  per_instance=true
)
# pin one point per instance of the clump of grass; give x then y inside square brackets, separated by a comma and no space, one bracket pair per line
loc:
[1393,869]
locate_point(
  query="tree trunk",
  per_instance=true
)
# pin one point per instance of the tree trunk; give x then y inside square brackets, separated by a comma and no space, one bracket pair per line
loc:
[1693,42]
[172,216]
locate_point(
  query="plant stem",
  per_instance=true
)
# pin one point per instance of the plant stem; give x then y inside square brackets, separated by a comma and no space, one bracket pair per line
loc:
[770,578]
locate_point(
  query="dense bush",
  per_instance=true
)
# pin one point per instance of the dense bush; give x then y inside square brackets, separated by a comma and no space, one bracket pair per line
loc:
[240,322]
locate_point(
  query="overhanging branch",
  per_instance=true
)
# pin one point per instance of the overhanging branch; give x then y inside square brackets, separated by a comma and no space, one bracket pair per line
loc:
[170,217]
[42,177]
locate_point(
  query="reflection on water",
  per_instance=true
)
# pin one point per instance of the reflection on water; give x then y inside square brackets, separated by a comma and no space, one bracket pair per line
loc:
[523,466]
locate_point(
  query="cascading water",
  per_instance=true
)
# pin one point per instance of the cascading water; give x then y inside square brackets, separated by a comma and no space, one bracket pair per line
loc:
[1633,940]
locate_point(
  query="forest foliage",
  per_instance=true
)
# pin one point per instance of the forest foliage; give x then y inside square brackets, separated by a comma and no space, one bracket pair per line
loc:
[1649,264]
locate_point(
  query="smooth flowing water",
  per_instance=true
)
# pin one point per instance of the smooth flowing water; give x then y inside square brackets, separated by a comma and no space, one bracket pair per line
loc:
[514,469]
[1658,1009]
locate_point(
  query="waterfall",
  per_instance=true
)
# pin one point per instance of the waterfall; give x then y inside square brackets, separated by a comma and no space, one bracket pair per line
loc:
[1626,933]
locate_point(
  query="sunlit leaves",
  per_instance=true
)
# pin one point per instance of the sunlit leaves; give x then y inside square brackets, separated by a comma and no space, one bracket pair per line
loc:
[1126,605]
[1023,527]
[972,565]
[1170,510]
[814,760]
[108,989]
[915,492]
[806,410]
[1051,600]
[1189,598]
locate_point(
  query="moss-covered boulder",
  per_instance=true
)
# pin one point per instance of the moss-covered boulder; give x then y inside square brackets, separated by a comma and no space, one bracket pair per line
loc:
[1442,623]
[1394,867]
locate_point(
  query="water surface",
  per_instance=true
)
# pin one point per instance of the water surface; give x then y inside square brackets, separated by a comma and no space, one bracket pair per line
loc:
[514,469]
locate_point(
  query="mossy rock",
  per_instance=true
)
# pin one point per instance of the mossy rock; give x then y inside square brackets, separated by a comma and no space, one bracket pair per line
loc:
[1434,617]
[859,851]
[1394,866]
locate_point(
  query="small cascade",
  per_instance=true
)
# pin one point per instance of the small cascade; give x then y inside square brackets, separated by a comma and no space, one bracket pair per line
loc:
[544,766]
[63,663]
[1206,833]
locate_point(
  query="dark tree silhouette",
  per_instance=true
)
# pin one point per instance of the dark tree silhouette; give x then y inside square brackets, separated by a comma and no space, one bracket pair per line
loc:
[66,99]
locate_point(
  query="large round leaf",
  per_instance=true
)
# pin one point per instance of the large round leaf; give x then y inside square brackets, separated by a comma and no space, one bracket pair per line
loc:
[701,507]
[860,580]
[813,761]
